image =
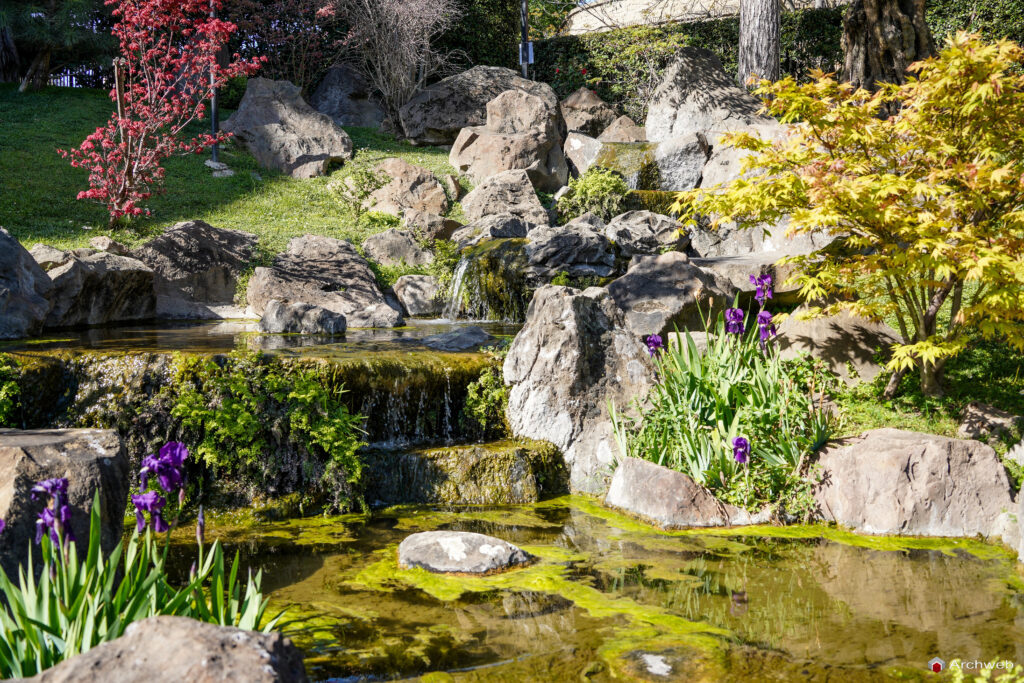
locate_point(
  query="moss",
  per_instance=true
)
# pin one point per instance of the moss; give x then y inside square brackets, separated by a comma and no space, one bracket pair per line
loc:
[495,285]
[634,160]
[650,200]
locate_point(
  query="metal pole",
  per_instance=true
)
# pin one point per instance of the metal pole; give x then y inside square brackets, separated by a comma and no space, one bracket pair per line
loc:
[524,46]
[214,112]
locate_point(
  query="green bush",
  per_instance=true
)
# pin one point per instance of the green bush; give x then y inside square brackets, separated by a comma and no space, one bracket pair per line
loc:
[79,603]
[487,399]
[704,400]
[487,32]
[599,191]
[9,390]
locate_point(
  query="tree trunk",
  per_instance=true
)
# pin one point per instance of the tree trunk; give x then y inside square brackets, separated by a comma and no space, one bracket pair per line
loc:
[10,64]
[931,379]
[38,72]
[881,38]
[760,37]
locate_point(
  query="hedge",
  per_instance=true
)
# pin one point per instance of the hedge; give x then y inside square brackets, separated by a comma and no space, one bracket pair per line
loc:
[487,33]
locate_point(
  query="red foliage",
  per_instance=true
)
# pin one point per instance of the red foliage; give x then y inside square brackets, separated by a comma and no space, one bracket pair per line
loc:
[168,51]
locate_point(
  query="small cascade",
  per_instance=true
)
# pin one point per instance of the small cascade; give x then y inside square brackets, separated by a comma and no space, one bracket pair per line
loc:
[491,283]
[451,311]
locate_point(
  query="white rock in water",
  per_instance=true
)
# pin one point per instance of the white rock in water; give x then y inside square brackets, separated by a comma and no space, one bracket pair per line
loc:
[462,552]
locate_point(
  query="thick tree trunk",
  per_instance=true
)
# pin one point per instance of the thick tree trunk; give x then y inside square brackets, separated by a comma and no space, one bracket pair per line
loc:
[881,38]
[760,36]
[38,72]
[10,64]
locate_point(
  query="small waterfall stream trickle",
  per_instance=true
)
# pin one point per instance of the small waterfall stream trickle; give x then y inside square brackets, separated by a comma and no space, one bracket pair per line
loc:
[451,311]
[490,283]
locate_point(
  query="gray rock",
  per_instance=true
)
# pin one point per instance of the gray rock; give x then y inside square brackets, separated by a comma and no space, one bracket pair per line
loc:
[344,95]
[91,459]
[277,126]
[497,226]
[300,318]
[978,419]
[587,113]
[659,293]
[396,247]
[889,481]
[572,357]
[581,152]
[696,95]
[181,649]
[104,243]
[508,192]
[578,248]
[645,232]
[419,295]
[623,129]
[324,272]
[409,187]
[724,164]
[429,226]
[670,499]
[459,552]
[24,290]
[49,257]
[671,165]
[842,341]
[462,339]
[440,111]
[680,161]
[196,267]
[100,288]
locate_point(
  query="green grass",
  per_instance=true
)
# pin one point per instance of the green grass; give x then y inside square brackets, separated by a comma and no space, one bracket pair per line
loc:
[38,187]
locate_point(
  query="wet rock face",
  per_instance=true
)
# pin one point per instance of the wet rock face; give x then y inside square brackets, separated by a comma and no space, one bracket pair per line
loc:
[182,649]
[572,357]
[459,552]
[507,192]
[90,459]
[195,265]
[439,112]
[890,481]
[24,287]
[324,272]
[301,318]
[95,288]
[283,132]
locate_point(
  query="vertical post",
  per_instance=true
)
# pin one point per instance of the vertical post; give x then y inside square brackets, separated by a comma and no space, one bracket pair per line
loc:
[214,112]
[524,46]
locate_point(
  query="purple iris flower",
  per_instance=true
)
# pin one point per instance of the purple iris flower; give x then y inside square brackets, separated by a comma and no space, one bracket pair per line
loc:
[654,344]
[764,324]
[741,450]
[734,321]
[166,467]
[151,502]
[764,287]
[56,521]
[3,525]
[56,489]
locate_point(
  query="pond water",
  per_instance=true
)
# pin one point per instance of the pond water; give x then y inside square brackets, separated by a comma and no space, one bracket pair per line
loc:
[611,598]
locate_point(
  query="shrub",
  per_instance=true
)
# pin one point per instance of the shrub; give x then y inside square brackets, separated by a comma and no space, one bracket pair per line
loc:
[9,390]
[487,399]
[599,191]
[929,202]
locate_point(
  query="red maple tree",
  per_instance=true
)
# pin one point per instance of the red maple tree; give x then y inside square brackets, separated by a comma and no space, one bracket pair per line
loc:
[168,58]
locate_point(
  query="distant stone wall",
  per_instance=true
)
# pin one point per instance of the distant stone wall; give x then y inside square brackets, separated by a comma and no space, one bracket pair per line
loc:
[604,15]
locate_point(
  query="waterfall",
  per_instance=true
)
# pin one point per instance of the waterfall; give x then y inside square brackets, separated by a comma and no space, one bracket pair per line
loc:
[454,307]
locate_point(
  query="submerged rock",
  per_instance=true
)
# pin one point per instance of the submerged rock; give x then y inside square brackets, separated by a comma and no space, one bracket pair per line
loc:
[459,552]
[301,318]
[890,481]
[669,498]
[91,459]
[180,649]
[462,339]
[24,288]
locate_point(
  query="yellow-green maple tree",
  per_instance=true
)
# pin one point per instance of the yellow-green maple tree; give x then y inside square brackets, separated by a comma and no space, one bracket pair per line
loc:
[927,204]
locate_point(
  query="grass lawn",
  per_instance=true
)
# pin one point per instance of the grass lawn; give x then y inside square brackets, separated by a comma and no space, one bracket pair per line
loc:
[38,187]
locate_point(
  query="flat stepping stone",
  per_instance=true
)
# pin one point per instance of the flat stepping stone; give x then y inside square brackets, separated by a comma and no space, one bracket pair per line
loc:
[459,552]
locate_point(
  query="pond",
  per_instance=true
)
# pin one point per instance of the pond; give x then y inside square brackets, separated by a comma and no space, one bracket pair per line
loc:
[611,598]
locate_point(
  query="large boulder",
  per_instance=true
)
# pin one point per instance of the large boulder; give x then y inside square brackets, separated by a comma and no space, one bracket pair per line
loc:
[196,268]
[623,129]
[283,132]
[668,498]
[300,318]
[429,226]
[587,113]
[180,649]
[396,247]
[345,96]
[890,481]
[91,459]
[508,192]
[419,295]
[24,288]
[409,187]
[459,552]
[680,161]
[96,288]
[521,132]
[659,293]
[645,233]
[572,358]
[845,342]
[696,95]
[440,111]
[325,272]
[577,248]
[675,164]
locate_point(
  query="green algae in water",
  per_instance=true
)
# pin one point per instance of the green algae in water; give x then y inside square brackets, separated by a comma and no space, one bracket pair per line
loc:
[809,603]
